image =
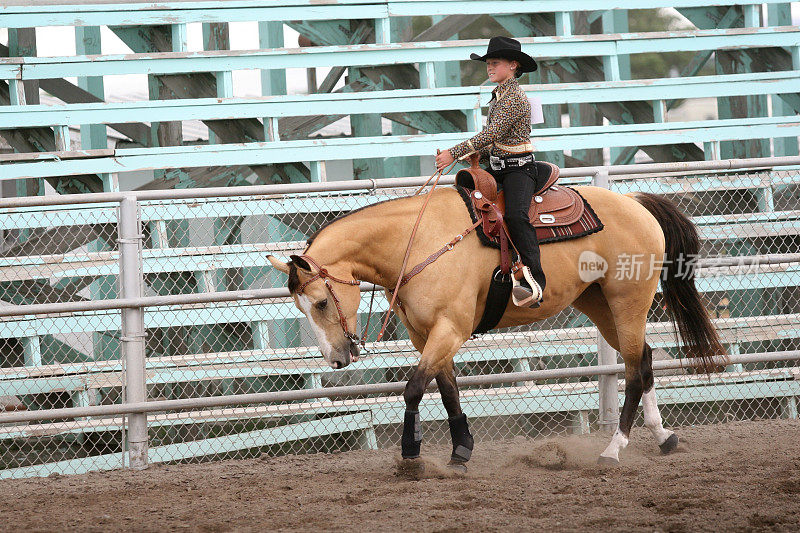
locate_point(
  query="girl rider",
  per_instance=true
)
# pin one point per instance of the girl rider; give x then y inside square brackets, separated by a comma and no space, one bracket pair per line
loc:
[505,143]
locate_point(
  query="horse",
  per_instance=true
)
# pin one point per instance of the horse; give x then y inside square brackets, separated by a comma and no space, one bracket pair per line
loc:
[442,305]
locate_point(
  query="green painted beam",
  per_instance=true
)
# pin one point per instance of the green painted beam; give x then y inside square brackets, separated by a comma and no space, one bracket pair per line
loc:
[90,214]
[546,48]
[477,404]
[348,148]
[780,15]
[176,12]
[395,101]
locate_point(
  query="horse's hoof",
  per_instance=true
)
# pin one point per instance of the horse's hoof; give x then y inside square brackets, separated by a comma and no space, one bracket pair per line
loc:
[607,461]
[668,445]
[457,467]
[410,468]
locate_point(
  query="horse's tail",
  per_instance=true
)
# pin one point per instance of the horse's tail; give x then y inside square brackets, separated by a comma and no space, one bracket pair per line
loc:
[684,303]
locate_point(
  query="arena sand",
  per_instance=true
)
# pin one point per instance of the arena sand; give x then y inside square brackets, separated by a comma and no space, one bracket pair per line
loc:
[742,476]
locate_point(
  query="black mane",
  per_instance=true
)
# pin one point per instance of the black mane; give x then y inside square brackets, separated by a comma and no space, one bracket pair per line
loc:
[344,215]
[294,279]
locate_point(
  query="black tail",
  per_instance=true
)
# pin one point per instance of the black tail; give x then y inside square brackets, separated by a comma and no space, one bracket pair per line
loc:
[684,303]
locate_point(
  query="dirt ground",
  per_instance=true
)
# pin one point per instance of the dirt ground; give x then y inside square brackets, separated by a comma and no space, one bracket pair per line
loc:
[741,476]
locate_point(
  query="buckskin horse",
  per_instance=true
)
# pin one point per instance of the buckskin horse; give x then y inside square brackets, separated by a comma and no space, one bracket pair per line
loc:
[442,305]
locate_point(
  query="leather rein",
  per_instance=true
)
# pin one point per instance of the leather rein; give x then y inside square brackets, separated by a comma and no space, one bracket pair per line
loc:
[323,274]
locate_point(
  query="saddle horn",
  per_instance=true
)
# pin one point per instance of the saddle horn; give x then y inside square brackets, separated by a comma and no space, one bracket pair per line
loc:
[475,178]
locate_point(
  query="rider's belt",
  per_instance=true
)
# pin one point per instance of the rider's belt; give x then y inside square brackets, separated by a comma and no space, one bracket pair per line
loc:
[524,148]
[499,163]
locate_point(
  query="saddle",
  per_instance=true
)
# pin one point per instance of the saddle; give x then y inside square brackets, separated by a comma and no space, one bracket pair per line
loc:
[551,207]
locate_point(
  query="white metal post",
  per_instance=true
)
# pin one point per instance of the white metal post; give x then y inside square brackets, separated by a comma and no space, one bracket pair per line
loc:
[130,275]
[609,396]
[608,415]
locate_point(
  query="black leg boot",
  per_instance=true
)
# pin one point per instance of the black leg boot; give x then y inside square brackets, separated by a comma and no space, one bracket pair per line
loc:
[411,441]
[462,439]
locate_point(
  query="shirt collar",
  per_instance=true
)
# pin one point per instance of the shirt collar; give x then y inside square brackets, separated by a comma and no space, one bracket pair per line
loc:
[501,88]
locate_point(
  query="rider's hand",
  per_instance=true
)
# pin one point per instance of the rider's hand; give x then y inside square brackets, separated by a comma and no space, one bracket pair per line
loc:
[443,159]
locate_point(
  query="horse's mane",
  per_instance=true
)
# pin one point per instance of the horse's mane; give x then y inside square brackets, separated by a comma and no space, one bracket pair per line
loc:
[345,215]
[294,279]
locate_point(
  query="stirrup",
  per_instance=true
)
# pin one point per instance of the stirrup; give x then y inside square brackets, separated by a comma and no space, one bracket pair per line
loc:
[523,296]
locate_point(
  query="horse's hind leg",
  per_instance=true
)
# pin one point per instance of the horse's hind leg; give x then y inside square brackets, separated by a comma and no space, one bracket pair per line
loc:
[666,439]
[629,307]
[459,428]
[622,325]
[630,332]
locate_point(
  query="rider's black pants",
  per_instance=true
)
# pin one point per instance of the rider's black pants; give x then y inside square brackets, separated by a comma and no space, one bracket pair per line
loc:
[520,184]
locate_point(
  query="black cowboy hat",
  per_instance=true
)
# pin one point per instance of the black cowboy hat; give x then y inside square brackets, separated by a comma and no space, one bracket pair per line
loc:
[508,48]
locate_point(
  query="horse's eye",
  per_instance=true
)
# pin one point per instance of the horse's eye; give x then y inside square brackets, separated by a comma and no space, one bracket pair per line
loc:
[322,304]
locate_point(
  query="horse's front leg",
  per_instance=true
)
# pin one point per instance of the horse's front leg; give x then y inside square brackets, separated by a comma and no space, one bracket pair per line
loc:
[441,345]
[459,428]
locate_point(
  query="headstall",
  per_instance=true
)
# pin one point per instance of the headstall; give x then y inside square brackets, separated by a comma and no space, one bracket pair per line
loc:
[324,275]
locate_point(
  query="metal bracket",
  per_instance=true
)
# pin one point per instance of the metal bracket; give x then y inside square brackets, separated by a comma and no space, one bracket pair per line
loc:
[133,240]
[133,337]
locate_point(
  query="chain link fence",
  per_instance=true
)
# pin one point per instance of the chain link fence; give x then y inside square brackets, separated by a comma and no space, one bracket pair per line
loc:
[255,346]
[55,360]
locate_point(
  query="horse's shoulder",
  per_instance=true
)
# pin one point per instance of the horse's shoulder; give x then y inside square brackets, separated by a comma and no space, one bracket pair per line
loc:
[450,195]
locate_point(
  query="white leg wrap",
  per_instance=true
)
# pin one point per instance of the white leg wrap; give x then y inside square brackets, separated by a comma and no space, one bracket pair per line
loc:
[652,418]
[618,442]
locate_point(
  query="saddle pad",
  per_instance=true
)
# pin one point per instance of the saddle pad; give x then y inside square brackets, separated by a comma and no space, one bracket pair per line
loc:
[587,224]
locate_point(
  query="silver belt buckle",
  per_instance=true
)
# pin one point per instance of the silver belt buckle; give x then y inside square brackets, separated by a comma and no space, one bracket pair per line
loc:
[496,163]
[514,161]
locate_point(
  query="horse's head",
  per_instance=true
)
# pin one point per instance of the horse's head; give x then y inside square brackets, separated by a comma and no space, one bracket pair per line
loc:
[330,307]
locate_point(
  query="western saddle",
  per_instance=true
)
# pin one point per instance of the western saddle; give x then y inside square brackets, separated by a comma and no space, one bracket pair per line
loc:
[551,206]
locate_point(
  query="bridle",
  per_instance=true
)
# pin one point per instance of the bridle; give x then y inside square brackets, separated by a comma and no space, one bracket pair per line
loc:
[324,275]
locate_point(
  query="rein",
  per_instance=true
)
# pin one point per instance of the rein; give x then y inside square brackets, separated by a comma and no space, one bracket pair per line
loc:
[325,276]
[400,283]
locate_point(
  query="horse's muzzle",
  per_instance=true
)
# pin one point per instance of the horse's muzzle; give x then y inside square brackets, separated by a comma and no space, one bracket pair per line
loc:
[346,356]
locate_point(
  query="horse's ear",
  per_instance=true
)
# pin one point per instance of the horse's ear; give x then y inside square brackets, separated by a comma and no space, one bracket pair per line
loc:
[278,265]
[300,262]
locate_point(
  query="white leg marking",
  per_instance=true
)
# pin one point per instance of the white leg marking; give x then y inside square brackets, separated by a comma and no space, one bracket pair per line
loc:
[618,442]
[652,418]
[322,339]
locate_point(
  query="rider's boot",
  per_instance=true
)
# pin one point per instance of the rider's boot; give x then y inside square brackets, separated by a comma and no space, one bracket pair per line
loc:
[525,292]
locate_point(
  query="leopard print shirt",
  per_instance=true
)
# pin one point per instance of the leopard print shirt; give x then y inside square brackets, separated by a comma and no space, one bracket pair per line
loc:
[509,123]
